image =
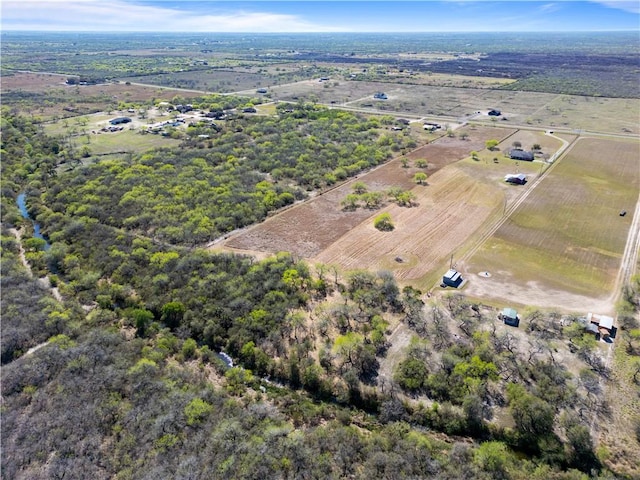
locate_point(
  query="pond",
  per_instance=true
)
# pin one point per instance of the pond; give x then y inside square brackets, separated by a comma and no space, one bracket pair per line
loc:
[22,206]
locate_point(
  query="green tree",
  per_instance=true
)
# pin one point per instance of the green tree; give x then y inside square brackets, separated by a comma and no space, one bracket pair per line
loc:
[172,314]
[197,410]
[359,188]
[421,163]
[491,144]
[142,318]
[533,416]
[494,458]
[420,178]
[411,374]
[383,222]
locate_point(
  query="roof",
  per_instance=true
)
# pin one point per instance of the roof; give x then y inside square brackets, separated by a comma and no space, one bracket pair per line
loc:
[509,313]
[115,121]
[520,154]
[603,321]
[452,275]
[606,322]
[591,328]
[520,176]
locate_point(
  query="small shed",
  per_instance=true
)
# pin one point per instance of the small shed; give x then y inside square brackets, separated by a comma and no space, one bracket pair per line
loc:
[517,179]
[452,278]
[510,317]
[519,154]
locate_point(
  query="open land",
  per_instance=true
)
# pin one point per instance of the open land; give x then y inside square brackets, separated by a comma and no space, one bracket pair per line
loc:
[308,229]
[556,243]
[568,235]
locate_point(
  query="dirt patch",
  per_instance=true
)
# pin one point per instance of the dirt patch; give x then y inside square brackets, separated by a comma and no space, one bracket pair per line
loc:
[498,287]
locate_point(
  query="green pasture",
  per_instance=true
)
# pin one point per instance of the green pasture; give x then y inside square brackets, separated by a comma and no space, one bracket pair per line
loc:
[126,141]
[568,233]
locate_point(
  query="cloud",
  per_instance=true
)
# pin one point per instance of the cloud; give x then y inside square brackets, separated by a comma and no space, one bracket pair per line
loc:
[627,6]
[119,15]
[548,7]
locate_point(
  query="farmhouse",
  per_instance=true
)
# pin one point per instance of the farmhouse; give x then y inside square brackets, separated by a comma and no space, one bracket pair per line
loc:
[119,120]
[516,179]
[452,279]
[510,317]
[518,154]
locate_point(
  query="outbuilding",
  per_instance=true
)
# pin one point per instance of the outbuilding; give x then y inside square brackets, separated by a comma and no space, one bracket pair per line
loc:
[510,317]
[452,278]
[517,179]
[603,322]
[119,120]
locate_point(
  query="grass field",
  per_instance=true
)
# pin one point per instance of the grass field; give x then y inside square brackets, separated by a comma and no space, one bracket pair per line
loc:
[568,235]
[85,130]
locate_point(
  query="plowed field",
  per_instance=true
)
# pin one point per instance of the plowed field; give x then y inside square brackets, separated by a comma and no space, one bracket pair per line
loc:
[321,231]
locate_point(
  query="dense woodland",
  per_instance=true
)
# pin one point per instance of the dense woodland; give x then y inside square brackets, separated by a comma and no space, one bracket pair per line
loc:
[126,381]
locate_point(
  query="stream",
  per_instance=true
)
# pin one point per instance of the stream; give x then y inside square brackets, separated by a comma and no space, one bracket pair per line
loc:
[22,206]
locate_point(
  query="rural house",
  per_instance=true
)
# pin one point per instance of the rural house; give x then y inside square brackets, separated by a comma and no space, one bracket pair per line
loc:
[452,279]
[518,154]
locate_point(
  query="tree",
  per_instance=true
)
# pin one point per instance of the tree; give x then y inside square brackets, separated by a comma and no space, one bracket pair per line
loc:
[142,318]
[350,202]
[491,144]
[474,155]
[533,416]
[383,222]
[517,144]
[536,146]
[172,314]
[420,178]
[359,188]
[411,374]
[421,163]
[494,458]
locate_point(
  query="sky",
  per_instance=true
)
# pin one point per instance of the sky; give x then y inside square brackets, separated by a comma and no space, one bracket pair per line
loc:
[308,16]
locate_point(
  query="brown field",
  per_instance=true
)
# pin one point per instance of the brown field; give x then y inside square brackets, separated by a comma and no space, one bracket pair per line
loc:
[450,209]
[314,229]
[81,99]
[563,245]
[612,115]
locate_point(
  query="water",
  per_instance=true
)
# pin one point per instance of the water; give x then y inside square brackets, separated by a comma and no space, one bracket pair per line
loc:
[22,206]
[226,359]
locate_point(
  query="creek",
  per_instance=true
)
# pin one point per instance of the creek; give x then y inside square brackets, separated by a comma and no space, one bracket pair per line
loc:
[22,206]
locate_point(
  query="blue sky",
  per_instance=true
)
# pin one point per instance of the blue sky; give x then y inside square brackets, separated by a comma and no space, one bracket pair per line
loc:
[320,16]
